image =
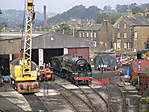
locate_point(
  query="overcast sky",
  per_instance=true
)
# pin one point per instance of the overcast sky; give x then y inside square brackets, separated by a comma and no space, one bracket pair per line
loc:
[58,6]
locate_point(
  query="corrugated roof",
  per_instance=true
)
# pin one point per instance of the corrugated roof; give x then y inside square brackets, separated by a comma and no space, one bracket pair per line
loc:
[55,40]
[19,34]
[137,20]
[8,38]
[92,27]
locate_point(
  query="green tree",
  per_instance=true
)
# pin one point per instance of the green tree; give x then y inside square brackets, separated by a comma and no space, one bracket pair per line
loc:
[105,16]
[65,29]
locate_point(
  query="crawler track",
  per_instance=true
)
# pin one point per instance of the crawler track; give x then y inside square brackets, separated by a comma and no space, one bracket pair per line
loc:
[35,103]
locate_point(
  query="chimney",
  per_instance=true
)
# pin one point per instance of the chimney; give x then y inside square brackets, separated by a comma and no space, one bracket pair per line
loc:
[0,11]
[45,15]
[105,23]
[146,13]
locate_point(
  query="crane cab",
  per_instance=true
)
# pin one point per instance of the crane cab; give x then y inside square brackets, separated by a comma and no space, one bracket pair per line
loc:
[23,83]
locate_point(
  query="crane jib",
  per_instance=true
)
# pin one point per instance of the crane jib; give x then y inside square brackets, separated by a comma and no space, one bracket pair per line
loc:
[29,4]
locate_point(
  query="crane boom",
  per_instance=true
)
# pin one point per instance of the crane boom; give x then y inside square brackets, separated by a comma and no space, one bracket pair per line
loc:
[28,39]
[23,72]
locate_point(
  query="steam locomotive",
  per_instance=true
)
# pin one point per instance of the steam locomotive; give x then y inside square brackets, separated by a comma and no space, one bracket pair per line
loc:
[72,67]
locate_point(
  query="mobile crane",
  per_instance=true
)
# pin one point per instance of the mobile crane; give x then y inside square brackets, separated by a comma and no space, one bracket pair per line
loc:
[23,72]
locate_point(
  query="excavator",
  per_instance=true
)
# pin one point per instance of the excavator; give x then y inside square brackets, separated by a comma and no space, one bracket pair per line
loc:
[23,71]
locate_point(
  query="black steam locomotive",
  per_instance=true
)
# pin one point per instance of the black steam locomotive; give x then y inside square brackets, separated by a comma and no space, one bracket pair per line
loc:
[72,67]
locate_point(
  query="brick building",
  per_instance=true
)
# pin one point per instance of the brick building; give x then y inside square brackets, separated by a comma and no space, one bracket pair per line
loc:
[131,32]
[101,34]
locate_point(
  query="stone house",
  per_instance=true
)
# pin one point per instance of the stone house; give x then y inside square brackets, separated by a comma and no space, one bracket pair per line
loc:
[131,32]
[101,34]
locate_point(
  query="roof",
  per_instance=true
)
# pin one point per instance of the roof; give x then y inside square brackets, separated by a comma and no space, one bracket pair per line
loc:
[56,40]
[92,27]
[133,20]
[137,20]
[8,38]
[19,34]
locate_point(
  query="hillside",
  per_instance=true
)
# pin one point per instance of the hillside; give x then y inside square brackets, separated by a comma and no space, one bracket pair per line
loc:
[80,12]
[13,17]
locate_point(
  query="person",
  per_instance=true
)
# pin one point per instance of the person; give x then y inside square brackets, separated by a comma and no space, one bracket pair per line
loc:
[127,74]
[102,69]
[49,64]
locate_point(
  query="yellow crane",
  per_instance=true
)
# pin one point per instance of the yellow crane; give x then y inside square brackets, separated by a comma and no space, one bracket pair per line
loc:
[23,72]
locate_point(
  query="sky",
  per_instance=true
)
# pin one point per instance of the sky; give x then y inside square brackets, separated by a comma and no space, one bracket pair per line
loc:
[59,6]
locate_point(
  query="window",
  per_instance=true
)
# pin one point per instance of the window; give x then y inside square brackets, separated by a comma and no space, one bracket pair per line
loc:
[114,44]
[125,45]
[125,35]
[87,34]
[118,35]
[118,26]
[83,34]
[95,34]
[118,45]
[135,35]
[95,43]
[125,26]
[128,45]
[80,35]
[91,34]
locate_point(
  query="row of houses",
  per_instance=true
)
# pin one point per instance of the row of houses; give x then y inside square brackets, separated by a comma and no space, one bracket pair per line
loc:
[129,33]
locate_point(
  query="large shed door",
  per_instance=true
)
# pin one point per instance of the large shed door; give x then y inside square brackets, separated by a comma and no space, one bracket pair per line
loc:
[80,52]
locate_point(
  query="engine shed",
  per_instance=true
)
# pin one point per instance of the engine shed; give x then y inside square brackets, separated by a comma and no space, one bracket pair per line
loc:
[45,46]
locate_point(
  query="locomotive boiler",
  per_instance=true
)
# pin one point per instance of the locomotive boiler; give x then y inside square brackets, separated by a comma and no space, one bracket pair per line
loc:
[72,67]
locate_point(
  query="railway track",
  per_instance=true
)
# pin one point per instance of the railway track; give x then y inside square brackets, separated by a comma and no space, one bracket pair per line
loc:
[136,105]
[35,103]
[103,99]
[91,96]
[116,98]
[78,104]
[94,98]
[7,106]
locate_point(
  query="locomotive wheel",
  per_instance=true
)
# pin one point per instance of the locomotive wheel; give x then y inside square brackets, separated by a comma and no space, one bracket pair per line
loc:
[13,84]
[72,81]
[76,82]
[88,83]
[67,77]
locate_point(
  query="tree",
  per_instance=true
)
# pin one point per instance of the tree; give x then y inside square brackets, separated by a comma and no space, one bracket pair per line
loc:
[105,16]
[65,29]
